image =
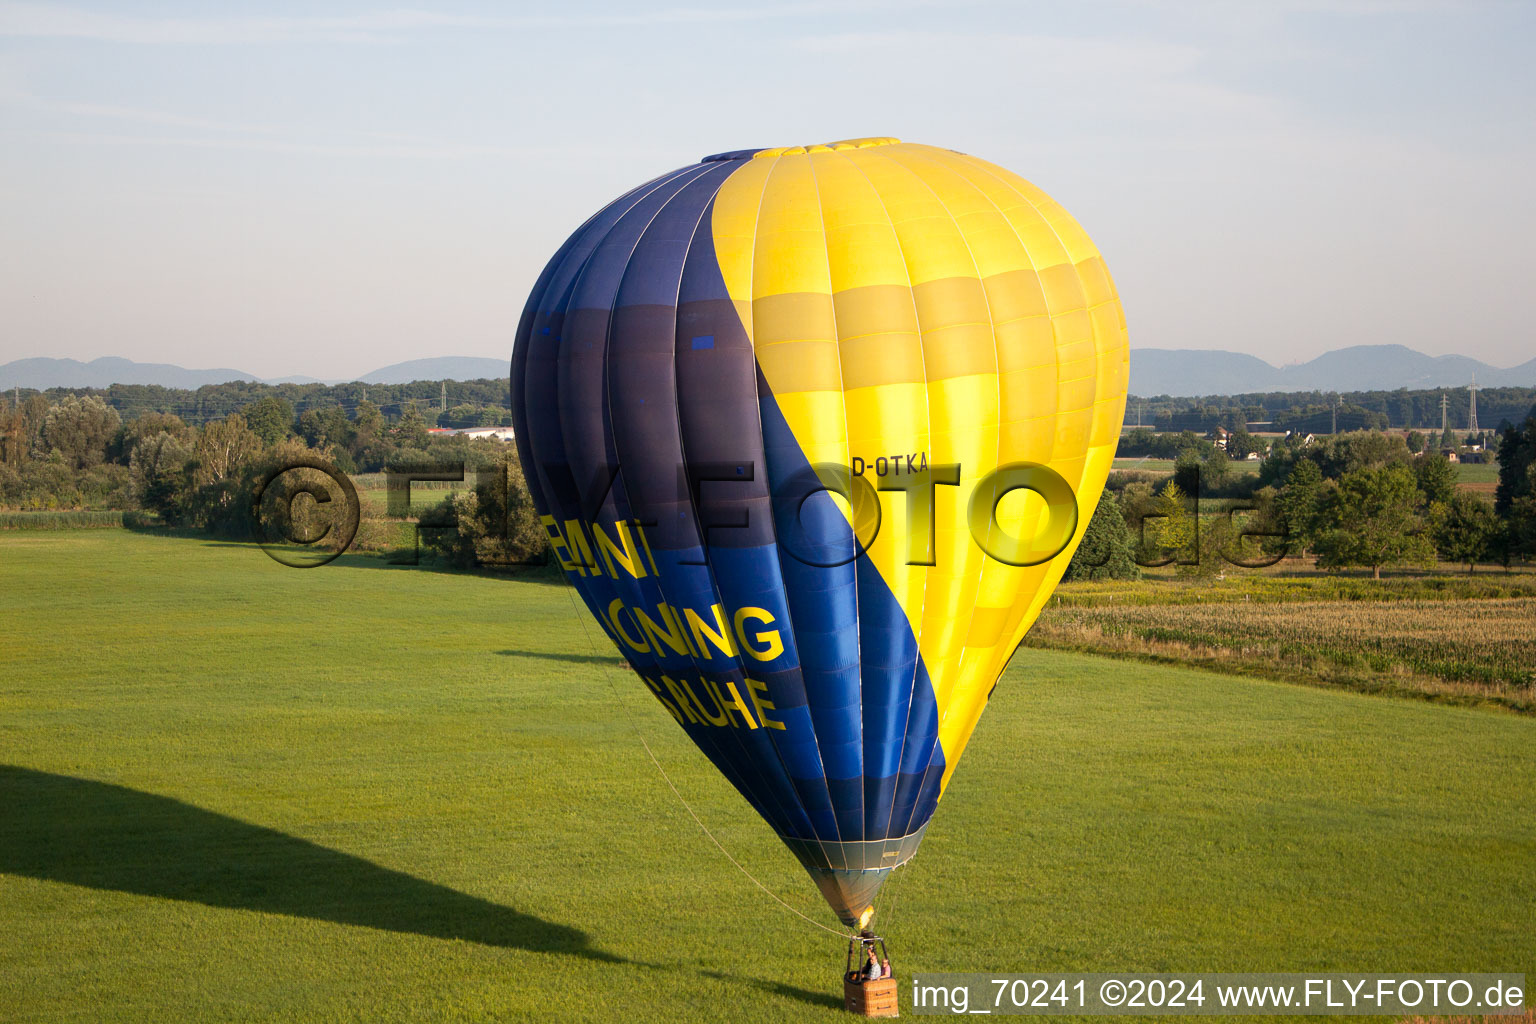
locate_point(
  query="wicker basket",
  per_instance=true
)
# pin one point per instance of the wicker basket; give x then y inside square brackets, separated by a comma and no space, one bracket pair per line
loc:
[871,998]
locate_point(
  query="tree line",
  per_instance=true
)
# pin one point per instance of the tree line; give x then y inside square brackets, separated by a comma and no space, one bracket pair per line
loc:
[1318,412]
[1362,499]
[471,402]
[1358,499]
[78,451]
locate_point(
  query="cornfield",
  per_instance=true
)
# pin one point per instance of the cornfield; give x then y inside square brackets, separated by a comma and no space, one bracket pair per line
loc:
[77,519]
[1473,644]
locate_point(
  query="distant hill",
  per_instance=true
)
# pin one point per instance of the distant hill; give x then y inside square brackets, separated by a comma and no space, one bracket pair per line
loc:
[440,368]
[1184,371]
[1190,372]
[108,370]
[1154,371]
[42,373]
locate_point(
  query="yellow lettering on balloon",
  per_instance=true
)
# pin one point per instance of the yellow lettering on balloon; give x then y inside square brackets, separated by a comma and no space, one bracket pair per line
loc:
[735,703]
[622,551]
[672,635]
[764,705]
[618,626]
[557,544]
[682,701]
[700,629]
[576,538]
[774,644]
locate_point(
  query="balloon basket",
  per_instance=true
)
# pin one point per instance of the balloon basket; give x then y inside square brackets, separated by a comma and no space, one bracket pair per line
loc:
[871,998]
[868,997]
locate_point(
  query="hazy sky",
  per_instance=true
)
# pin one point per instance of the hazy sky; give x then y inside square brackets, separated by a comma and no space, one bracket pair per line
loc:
[326,188]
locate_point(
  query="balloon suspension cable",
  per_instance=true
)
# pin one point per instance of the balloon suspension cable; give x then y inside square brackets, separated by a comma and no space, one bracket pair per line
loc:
[618,698]
[890,908]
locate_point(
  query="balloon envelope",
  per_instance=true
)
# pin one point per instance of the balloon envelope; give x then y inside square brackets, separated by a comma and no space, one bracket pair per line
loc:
[755,399]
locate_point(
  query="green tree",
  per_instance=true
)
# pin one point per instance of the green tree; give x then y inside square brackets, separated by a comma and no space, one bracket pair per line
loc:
[1283,458]
[1416,441]
[1271,534]
[410,431]
[1372,522]
[224,448]
[1464,529]
[1300,502]
[324,428]
[1436,477]
[466,415]
[80,429]
[1517,452]
[159,473]
[1520,527]
[13,436]
[1213,539]
[1170,526]
[1136,505]
[1242,444]
[145,425]
[270,418]
[32,414]
[371,446]
[1107,551]
[1358,449]
[1201,472]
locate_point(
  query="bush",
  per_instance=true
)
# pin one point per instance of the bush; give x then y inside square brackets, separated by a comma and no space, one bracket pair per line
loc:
[495,525]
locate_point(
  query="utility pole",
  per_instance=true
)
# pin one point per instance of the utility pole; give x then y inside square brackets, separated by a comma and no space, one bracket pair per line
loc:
[1472,390]
[445,397]
[1335,427]
[1444,398]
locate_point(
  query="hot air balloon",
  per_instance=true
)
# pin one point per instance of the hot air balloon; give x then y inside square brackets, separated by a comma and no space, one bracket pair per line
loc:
[814,432]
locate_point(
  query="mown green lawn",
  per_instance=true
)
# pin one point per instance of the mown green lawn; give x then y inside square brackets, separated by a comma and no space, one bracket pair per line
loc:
[237,791]
[1477,473]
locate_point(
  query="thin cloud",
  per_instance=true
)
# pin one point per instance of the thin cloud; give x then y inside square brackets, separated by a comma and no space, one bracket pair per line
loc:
[417,151]
[51,21]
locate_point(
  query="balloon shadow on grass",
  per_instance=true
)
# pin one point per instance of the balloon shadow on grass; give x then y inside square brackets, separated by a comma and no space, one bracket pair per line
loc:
[95,834]
[779,988]
[612,659]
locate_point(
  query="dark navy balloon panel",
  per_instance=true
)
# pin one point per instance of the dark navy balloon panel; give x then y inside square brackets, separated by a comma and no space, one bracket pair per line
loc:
[672,385]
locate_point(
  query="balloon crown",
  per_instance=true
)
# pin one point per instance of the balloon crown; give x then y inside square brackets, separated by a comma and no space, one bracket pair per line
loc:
[820,147]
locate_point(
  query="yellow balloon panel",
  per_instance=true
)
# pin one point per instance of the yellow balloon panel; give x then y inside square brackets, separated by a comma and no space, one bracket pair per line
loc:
[905,299]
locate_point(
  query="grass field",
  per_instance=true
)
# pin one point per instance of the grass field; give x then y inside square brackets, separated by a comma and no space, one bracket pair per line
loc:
[1480,478]
[1166,465]
[237,791]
